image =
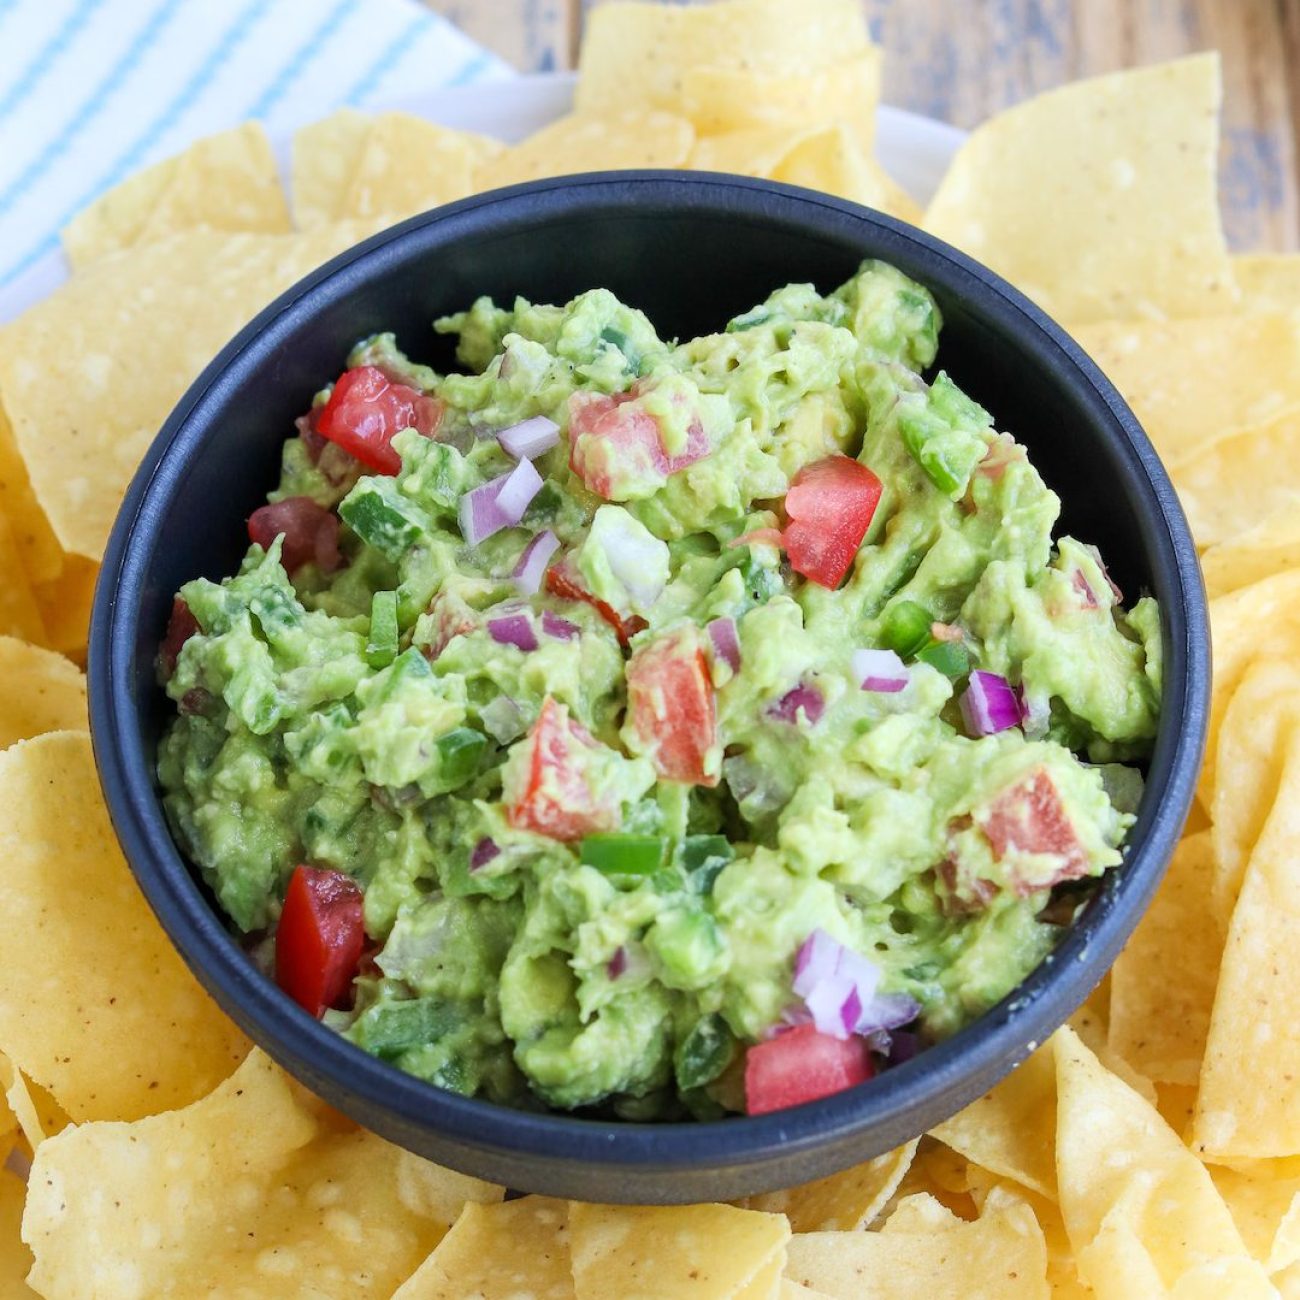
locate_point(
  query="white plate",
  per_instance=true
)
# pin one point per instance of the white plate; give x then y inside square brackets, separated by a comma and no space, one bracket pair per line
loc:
[914,150]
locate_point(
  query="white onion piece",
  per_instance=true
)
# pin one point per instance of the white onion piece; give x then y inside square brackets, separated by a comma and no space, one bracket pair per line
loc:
[530,438]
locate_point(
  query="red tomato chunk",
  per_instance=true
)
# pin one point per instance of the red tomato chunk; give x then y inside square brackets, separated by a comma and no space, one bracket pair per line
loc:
[1028,818]
[671,709]
[311,533]
[802,1065]
[320,939]
[829,505]
[180,627]
[366,411]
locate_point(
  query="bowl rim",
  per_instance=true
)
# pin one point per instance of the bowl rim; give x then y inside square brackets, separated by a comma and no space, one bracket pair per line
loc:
[961,1067]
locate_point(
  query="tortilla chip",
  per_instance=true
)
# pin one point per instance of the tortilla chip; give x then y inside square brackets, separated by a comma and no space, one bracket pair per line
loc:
[511,1248]
[1162,985]
[633,55]
[133,1033]
[1271,546]
[1232,483]
[670,1252]
[246,1193]
[1268,281]
[1176,1103]
[1266,1209]
[1012,1129]
[43,692]
[38,548]
[15,1258]
[842,1202]
[992,1193]
[584,143]
[227,181]
[408,165]
[1193,381]
[999,1256]
[20,616]
[718,99]
[1129,1189]
[1249,1099]
[1092,1023]
[175,302]
[65,606]
[38,1115]
[325,157]
[1099,199]
[921,1212]
[796,1291]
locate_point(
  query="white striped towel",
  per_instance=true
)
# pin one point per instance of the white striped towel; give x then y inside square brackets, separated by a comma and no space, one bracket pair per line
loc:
[93,90]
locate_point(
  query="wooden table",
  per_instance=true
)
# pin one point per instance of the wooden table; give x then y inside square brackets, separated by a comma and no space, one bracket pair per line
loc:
[963,59]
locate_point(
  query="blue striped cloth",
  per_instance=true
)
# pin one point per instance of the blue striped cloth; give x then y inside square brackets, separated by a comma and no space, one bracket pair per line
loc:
[92,90]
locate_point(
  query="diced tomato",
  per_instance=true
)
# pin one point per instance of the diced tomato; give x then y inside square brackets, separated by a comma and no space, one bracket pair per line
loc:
[670,707]
[802,1065]
[320,938]
[829,505]
[181,625]
[311,533]
[451,617]
[551,794]
[616,446]
[366,411]
[562,584]
[1029,818]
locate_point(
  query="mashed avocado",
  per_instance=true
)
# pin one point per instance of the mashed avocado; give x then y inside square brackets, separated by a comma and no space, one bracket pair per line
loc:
[766,651]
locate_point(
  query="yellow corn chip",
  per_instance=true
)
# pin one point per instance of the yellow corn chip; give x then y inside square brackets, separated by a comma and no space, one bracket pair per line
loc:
[672,1252]
[1062,1275]
[133,1033]
[1229,485]
[921,1212]
[630,139]
[1092,1023]
[36,1113]
[175,301]
[1249,1099]
[1130,1190]
[253,1191]
[408,165]
[20,616]
[15,1258]
[65,606]
[797,1291]
[633,55]
[1098,199]
[1265,1206]
[512,1248]
[43,692]
[1271,546]
[844,1201]
[1268,281]
[325,157]
[226,181]
[1193,381]
[1012,1130]
[1001,1256]
[1162,986]
[38,548]
[1176,1103]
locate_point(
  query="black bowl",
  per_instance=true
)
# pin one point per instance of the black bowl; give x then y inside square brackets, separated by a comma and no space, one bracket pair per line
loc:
[691,250]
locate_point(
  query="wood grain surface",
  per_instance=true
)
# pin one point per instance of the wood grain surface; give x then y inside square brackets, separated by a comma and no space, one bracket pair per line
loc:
[962,60]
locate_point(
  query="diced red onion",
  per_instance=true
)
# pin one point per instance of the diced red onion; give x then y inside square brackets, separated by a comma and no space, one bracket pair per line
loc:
[560,628]
[532,563]
[499,503]
[515,630]
[903,1045]
[617,964]
[803,698]
[502,719]
[840,990]
[725,642]
[530,438]
[887,1011]
[879,670]
[484,851]
[989,705]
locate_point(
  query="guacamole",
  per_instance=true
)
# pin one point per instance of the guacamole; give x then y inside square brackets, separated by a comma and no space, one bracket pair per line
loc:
[670,728]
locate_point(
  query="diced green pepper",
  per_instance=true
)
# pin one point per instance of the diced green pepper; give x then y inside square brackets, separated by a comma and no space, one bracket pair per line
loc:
[381,647]
[459,754]
[906,628]
[951,658]
[623,855]
[703,857]
[382,517]
[390,1028]
[704,1053]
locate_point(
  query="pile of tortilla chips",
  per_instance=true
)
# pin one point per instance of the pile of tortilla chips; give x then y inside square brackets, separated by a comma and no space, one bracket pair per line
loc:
[1150,1149]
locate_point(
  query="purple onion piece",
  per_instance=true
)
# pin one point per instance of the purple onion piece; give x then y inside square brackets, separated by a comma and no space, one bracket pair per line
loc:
[725,642]
[560,628]
[499,503]
[803,699]
[903,1045]
[887,1011]
[528,573]
[879,670]
[617,964]
[484,851]
[515,630]
[989,705]
[530,438]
